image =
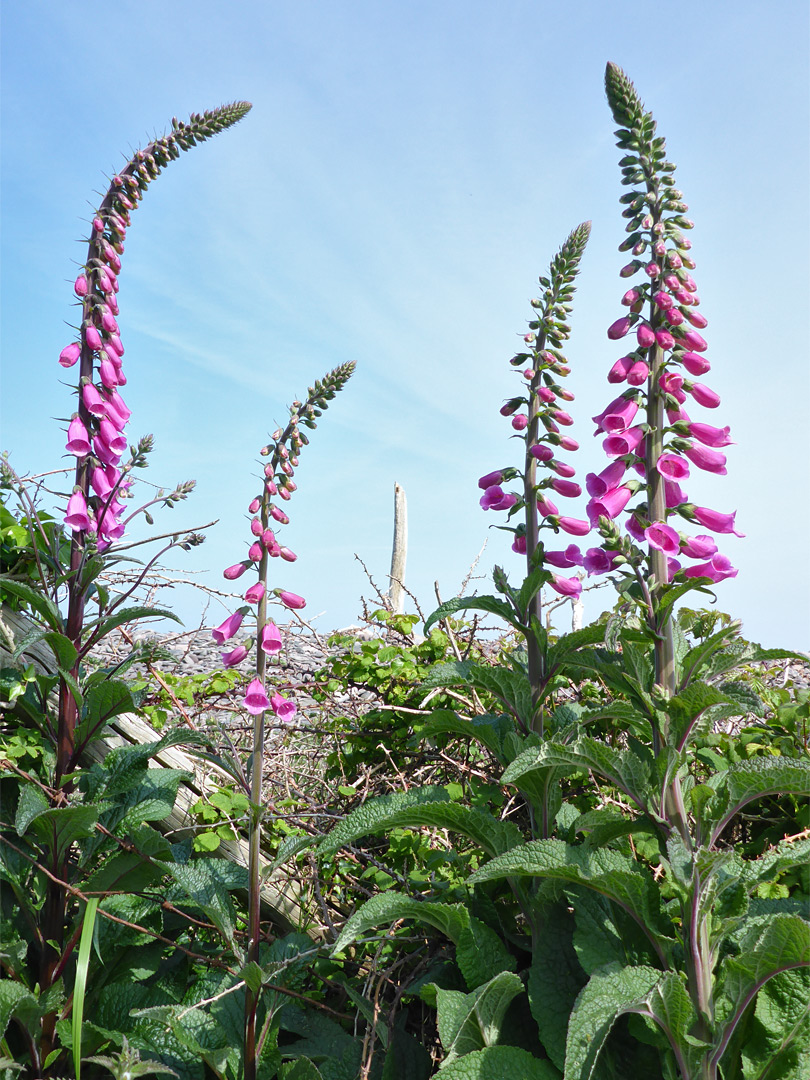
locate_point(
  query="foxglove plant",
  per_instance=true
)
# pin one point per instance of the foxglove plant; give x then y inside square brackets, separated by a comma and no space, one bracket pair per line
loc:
[278,485]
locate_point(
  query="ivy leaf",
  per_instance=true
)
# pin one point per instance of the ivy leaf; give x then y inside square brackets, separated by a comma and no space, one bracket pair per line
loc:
[470,1022]
[496,1063]
[422,807]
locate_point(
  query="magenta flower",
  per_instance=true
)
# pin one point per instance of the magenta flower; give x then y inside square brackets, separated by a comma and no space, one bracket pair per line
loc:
[574,526]
[619,328]
[572,556]
[254,594]
[699,547]
[92,337]
[287,555]
[714,520]
[703,395]
[618,373]
[672,467]
[228,628]
[566,586]
[234,657]
[70,354]
[78,440]
[694,341]
[562,417]
[645,335]
[235,571]
[626,443]
[254,506]
[77,517]
[520,422]
[291,600]
[567,488]
[710,436]
[102,483]
[609,505]
[282,707]
[632,296]
[606,480]
[546,507]
[111,437]
[109,526]
[567,443]
[638,373]
[93,401]
[694,363]
[519,544]
[256,700]
[255,552]
[495,498]
[717,569]
[271,638]
[562,469]
[673,494]
[706,459]
[598,561]
[278,515]
[663,537]
[80,286]
[539,451]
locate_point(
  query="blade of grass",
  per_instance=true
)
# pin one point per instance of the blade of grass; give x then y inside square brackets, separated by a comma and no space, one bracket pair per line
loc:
[80,985]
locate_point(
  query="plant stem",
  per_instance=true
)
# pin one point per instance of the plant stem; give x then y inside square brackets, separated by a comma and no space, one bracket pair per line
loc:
[535,608]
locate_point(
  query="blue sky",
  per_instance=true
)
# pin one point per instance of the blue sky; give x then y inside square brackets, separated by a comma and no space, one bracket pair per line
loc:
[406,173]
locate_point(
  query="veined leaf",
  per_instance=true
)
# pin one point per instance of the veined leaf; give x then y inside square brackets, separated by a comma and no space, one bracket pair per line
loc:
[498,1063]
[623,768]
[104,624]
[206,891]
[12,996]
[453,920]
[699,656]
[741,784]
[575,642]
[421,807]
[686,708]
[476,603]
[37,600]
[472,1021]
[61,826]
[488,730]
[781,945]
[31,803]
[555,979]
[615,876]
[509,686]
[784,856]
[778,1043]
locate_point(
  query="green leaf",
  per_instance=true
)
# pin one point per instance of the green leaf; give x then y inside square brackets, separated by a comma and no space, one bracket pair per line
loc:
[488,730]
[481,955]
[80,984]
[477,603]
[740,784]
[778,1042]
[105,700]
[303,1069]
[615,876]
[469,1022]
[61,826]
[205,889]
[623,768]
[36,599]
[31,804]
[555,979]
[12,996]
[103,625]
[499,1063]
[407,1058]
[611,991]
[423,807]
[510,687]
[686,708]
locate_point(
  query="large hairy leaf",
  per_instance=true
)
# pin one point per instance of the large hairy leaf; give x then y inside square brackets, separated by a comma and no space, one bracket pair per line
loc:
[686,709]
[555,979]
[488,730]
[623,768]
[36,599]
[423,806]
[499,1063]
[509,686]
[476,603]
[615,876]
[480,952]
[204,887]
[13,995]
[778,1042]
[741,784]
[470,1022]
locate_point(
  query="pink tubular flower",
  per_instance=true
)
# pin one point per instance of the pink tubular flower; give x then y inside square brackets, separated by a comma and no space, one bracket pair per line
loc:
[546,395]
[714,520]
[626,443]
[255,552]
[567,443]
[632,296]
[287,555]
[618,373]
[495,498]
[282,707]
[255,593]
[77,517]
[291,600]
[572,556]
[703,395]
[662,299]
[277,514]
[93,401]
[672,467]
[699,547]
[609,505]
[539,452]
[698,320]
[619,328]
[674,316]
[706,459]
[234,657]
[717,569]
[78,440]
[562,417]
[645,335]
[567,488]
[566,586]
[256,526]
[663,537]
[492,479]
[254,506]
[694,341]
[574,526]
[112,437]
[673,494]
[70,354]
[562,469]
[664,339]
[694,363]
[80,286]
[109,374]
[270,641]
[598,561]
[606,480]
[520,422]
[546,507]
[256,700]
[710,436]
[92,337]
[235,571]
[519,544]
[228,628]
[635,528]
[618,418]
[638,373]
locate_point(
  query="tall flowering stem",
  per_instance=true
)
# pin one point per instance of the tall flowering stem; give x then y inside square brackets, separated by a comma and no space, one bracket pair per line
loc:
[95,434]
[662,305]
[538,417]
[267,516]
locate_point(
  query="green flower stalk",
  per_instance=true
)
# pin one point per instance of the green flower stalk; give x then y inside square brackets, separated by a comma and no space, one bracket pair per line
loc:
[267,515]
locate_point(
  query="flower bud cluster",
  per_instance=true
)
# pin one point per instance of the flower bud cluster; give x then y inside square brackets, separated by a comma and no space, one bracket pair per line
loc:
[646,429]
[265,517]
[96,431]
